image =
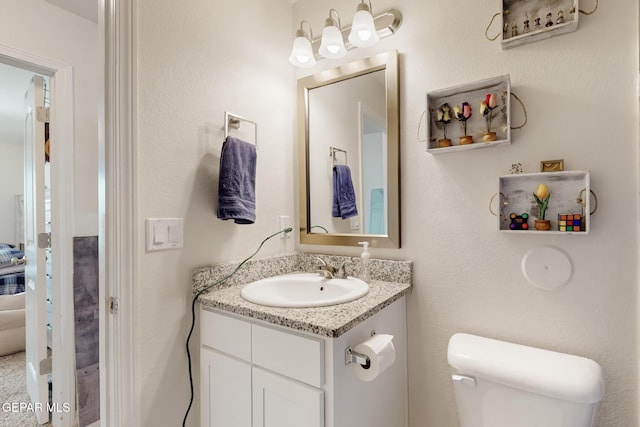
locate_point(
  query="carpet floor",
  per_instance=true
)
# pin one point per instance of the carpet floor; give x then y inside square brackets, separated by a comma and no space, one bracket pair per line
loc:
[13,391]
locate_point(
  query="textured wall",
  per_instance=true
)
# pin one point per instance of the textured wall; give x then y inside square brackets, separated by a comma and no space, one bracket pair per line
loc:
[580,90]
[195,60]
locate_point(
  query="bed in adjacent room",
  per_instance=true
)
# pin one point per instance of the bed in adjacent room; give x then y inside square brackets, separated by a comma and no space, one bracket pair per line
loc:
[12,305]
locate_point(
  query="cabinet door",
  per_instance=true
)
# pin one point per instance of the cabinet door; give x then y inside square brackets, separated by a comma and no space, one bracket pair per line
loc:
[225,391]
[282,402]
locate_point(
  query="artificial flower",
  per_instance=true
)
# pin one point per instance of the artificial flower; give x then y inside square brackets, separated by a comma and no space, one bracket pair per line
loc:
[542,196]
[466,110]
[492,100]
[463,113]
[486,107]
[443,115]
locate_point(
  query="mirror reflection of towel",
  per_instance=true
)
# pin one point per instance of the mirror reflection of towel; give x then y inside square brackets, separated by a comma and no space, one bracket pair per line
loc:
[237,181]
[344,197]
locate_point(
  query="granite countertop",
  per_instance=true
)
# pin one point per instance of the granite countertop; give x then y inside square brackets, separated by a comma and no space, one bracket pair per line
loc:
[392,280]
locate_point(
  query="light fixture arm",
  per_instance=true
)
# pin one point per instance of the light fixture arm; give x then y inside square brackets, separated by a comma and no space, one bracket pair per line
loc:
[337,24]
[302,33]
[363,6]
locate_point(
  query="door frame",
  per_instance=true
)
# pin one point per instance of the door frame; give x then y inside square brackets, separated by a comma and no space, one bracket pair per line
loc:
[62,220]
[117,208]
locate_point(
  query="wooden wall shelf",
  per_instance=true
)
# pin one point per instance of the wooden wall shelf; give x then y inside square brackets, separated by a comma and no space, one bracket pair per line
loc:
[515,196]
[473,93]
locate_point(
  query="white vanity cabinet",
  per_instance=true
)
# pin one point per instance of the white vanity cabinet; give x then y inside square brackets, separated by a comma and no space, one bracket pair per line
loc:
[279,401]
[225,371]
[257,374]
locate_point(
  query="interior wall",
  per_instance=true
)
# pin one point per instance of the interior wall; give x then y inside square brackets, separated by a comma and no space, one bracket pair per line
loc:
[196,60]
[40,28]
[12,179]
[580,91]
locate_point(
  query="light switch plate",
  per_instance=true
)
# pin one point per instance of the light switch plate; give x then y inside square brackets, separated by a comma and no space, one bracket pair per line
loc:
[164,233]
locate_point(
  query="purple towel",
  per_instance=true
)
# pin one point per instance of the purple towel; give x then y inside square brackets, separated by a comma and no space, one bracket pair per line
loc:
[237,182]
[344,197]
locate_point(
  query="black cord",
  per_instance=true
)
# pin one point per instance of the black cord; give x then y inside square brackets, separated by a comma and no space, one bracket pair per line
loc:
[193,312]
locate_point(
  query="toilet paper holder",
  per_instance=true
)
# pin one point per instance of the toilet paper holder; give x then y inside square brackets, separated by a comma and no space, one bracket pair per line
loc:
[351,356]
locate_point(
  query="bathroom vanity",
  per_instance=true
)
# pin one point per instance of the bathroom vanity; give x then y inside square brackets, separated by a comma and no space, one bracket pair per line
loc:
[280,367]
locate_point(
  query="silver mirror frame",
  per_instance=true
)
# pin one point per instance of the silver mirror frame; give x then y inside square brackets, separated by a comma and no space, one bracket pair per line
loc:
[387,61]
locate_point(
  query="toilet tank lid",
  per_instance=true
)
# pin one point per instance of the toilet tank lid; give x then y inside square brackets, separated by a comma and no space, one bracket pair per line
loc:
[549,373]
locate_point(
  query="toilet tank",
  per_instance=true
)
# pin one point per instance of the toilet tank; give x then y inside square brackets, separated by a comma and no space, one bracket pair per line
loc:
[501,384]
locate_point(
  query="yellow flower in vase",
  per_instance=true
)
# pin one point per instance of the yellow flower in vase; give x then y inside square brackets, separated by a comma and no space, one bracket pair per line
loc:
[542,196]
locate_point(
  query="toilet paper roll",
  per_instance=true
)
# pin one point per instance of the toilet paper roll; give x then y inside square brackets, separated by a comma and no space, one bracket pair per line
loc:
[380,350]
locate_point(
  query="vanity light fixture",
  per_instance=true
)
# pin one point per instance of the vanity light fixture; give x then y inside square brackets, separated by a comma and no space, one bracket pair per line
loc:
[336,41]
[332,43]
[363,30]
[302,53]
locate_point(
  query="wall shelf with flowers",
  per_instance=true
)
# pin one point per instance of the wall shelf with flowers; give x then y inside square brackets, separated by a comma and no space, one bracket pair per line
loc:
[561,198]
[469,116]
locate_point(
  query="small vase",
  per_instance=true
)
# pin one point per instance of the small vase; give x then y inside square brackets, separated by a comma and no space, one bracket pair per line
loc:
[466,139]
[542,224]
[489,136]
[446,142]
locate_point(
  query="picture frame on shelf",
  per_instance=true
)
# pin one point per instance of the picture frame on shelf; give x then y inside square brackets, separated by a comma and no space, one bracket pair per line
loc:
[552,165]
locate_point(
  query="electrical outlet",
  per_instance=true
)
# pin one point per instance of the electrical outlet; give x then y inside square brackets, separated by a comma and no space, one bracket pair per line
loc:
[285,222]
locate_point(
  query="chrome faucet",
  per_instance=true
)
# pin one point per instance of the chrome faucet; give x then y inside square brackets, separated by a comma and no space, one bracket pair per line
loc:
[330,271]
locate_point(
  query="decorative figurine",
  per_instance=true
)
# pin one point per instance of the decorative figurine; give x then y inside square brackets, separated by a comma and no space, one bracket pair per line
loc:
[570,222]
[514,28]
[505,26]
[560,19]
[443,115]
[519,222]
[549,20]
[525,27]
[542,196]
[537,23]
[486,107]
[462,114]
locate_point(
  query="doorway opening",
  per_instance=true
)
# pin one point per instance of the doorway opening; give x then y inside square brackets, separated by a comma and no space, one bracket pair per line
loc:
[52,314]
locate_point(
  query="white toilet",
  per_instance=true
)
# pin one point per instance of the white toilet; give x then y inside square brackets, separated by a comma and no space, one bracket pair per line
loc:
[500,384]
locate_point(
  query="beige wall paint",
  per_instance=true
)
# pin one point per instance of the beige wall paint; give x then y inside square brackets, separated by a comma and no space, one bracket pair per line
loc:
[40,28]
[580,90]
[195,60]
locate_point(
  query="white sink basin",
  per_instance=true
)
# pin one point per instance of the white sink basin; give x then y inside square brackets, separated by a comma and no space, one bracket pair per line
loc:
[303,290]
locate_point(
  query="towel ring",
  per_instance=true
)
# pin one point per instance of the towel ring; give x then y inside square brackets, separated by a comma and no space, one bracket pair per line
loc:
[332,153]
[233,121]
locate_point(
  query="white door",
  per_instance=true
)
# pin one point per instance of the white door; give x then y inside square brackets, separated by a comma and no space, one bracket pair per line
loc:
[282,402]
[34,224]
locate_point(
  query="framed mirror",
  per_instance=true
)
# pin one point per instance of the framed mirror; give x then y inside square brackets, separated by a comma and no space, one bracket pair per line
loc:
[349,148]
